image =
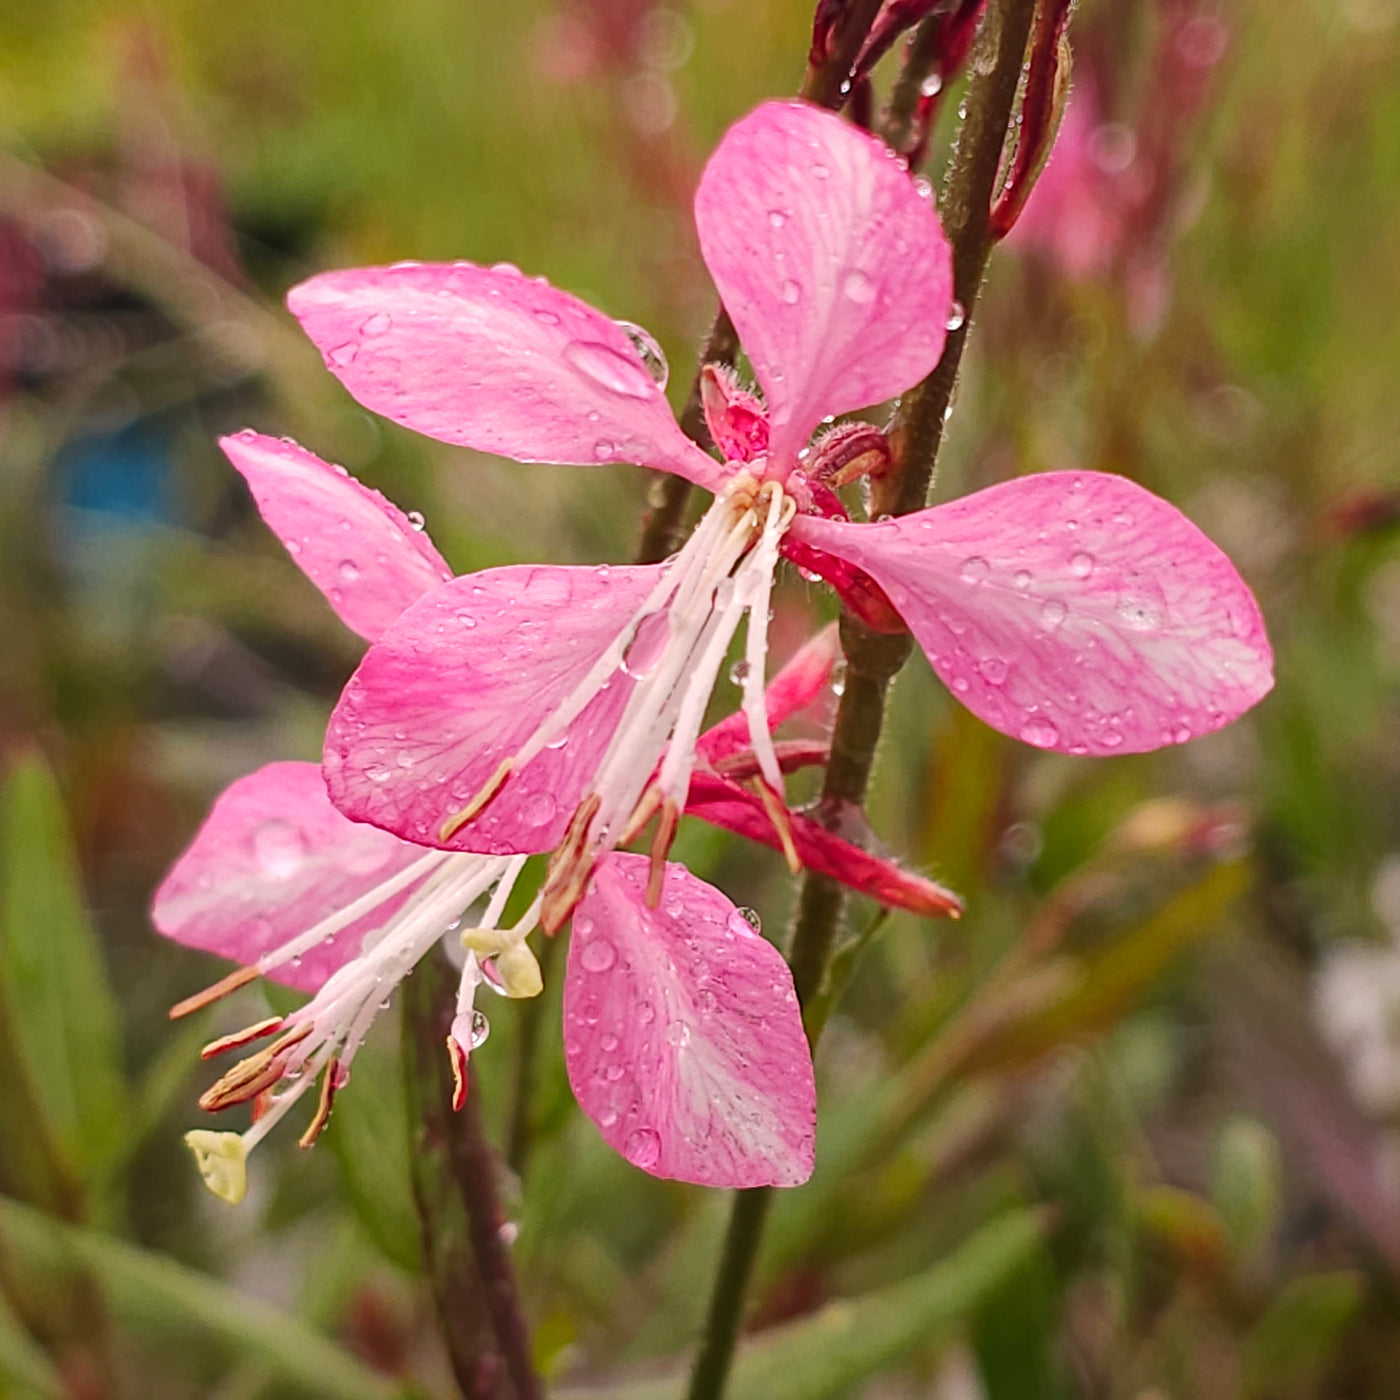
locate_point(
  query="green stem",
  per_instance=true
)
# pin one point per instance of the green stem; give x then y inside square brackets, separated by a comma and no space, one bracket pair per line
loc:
[873,659]
[469,1268]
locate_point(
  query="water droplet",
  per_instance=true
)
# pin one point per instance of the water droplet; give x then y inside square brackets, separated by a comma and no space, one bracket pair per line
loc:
[342,355]
[547,318]
[923,187]
[466,619]
[838,678]
[642,1148]
[678,1034]
[776,218]
[609,1044]
[1040,732]
[1023,579]
[648,645]
[858,287]
[279,848]
[610,370]
[993,669]
[1052,614]
[1181,733]
[791,293]
[956,317]
[649,352]
[743,922]
[348,570]
[739,672]
[931,85]
[1112,739]
[415,518]
[646,1013]
[1081,565]
[481,1029]
[538,809]
[378,324]
[975,569]
[597,955]
[821,172]
[705,1001]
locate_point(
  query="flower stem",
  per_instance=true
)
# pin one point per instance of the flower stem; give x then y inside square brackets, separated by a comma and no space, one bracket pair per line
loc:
[873,659]
[454,1167]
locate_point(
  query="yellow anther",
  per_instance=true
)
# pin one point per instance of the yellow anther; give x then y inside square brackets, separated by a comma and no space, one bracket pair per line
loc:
[519,972]
[222,1160]
[484,942]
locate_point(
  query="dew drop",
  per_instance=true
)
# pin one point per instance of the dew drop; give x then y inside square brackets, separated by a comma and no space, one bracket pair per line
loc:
[705,1001]
[609,370]
[1023,579]
[648,645]
[642,1148]
[956,316]
[279,848]
[649,352]
[597,955]
[743,922]
[604,450]
[538,809]
[791,293]
[342,355]
[1181,733]
[993,669]
[1040,732]
[1081,565]
[739,672]
[646,1013]
[415,518]
[1052,614]
[378,324]
[1112,739]
[546,318]
[481,1029]
[776,218]
[858,287]
[931,86]
[821,172]
[974,569]
[678,1034]
[348,570]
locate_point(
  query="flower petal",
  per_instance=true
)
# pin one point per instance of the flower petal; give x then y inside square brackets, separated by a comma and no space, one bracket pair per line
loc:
[460,682]
[800,680]
[832,266]
[682,1035]
[272,860]
[358,548]
[494,360]
[725,804]
[1074,610]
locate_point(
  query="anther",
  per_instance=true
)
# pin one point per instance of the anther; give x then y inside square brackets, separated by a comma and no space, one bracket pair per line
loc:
[570,869]
[641,815]
[323,1104]
[777,812]
[250,1077]
[240,977]
[660,849]
[479,803]
[240,1038]
[457,1056]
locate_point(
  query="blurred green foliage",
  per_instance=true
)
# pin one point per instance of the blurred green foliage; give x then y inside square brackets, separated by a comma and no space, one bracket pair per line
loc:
[1087,1142]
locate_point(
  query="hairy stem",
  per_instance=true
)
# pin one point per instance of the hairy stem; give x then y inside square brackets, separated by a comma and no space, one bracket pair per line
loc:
[873,659]
[469,1267]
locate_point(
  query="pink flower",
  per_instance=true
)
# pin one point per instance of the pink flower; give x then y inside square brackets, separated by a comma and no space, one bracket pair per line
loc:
[283,884]
[1073,610]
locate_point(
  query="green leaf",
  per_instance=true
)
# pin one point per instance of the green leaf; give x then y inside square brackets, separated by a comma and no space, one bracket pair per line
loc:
[154,1295]
[63,1016]
[823,1355]
[1292,1343]
[25,1370]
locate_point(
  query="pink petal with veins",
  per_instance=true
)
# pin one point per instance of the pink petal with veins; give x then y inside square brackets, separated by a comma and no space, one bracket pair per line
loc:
[272,860]
[682,1035]
[800,681]
[460,682]
[832,266]
[494,360]
[359,549]
[725,804]
[1074,610]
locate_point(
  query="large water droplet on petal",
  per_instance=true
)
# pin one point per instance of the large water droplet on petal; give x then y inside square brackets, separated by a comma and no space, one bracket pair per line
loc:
[974,570]
[790,292]
[1081,565]
[1052,613]
[378,324]
[538,809]
[1040,732]
[597,955]
[642,1148]
[648,645]
[481,1029]
[993,669]
[858,287]
[607,368]
[956,317]
[743,922]
[649,352]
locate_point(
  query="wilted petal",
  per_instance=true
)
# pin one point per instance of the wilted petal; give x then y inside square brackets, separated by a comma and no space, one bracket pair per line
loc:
[460,682]
[682,1034]
[833,267]
[800,680]
[271,861]
[490,359]
[1074,610]
[723,803]
[358,548]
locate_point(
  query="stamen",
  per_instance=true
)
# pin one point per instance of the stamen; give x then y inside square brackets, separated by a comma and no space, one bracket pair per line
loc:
[323,1104]
[777,812]
[660,848]
[239,977]
[792,754]
[457,1055]
[570,869]
[641,815]
[251,1076]
[479,803]
[240,1038]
